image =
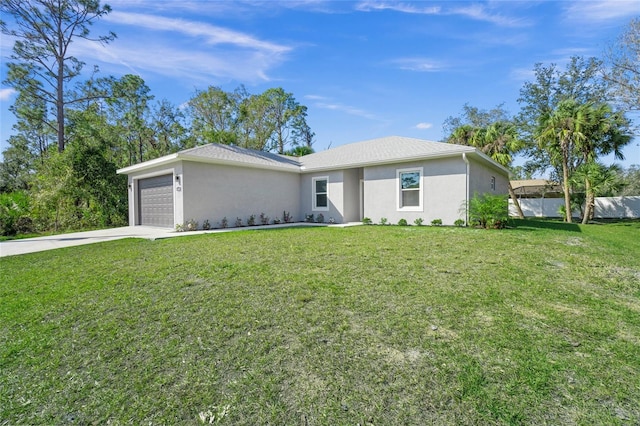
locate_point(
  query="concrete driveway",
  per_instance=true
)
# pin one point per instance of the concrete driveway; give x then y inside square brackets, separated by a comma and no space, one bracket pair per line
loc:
[32,245]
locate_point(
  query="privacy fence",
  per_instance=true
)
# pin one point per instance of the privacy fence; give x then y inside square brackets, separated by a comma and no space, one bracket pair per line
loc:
[605,207]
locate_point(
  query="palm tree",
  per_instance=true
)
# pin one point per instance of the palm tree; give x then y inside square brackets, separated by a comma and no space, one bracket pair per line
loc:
[558,133]
[606,132]
[499,140]
[598,180]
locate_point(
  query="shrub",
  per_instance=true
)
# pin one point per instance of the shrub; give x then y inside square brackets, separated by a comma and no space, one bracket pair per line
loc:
[179,227]
[252,220]
[489,211]
[418,221]
[366,221]
[402,222]
[308,218]
[436,222]
[383,221]
[14,214]
[224,223]
[331,221]
[287,217]
[191,225]
[264,219]
[320,218]
[206,225]
[238,222]
[459,222]
[276,221]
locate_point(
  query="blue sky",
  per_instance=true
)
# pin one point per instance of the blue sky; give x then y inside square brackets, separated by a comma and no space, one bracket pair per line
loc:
[364,69]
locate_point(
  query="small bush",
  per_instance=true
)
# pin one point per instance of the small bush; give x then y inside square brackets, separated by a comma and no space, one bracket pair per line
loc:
[287,217]
[276,221]
[238,222]
[320,218]
[402,222]
[418,221]
[14,214]
[309,218]
[191,225]
[179,227]
[331,221]
[459,223]
[264,219]
[252,220]
[383,221]
[206,225]
[366,221]
[224,223]
[436,222]
[489,211]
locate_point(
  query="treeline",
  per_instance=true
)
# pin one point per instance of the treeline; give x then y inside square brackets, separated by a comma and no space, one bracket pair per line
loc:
[117,125]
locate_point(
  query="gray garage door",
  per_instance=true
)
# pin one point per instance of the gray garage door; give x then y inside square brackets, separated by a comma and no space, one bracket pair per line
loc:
[156,201]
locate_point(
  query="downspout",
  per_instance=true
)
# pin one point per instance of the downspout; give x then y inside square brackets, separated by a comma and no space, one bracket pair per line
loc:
[466,192]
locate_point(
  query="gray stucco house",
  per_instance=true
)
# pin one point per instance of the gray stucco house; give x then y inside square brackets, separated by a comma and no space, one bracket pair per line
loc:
[392,177]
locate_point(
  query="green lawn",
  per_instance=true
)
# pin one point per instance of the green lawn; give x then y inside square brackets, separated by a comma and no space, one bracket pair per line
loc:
[326,326]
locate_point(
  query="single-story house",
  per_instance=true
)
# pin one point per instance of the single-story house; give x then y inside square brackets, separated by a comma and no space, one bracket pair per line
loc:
[392,177]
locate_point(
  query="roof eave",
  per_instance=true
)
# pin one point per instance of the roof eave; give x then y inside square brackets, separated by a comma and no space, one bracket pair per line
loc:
[167,159]
[209,160]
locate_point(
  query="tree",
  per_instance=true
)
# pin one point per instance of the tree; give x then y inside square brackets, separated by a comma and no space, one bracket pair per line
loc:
[170,133]
[558,133]
[580,81]
[284,111]
[597,180]
[129,110]
[623,70]
[475,118]
[214,115]
[42,64]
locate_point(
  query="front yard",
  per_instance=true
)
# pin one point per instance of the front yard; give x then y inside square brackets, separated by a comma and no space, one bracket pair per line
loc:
[323,326]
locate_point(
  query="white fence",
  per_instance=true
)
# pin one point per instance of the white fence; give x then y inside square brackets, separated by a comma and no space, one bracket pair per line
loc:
[605,207]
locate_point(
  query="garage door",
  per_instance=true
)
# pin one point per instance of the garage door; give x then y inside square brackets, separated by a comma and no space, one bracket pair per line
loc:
[156,201]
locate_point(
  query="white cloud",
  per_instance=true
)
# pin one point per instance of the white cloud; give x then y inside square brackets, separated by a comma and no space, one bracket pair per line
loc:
[213,35]
[419,64]
[424,126]
[478,12]
[602,11]
[326,103]
[6,94]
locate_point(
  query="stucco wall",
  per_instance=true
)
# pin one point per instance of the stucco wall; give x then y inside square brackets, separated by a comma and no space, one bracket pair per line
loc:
[480,179]
[335,190]
[352,195]
[444,191]
[213,191]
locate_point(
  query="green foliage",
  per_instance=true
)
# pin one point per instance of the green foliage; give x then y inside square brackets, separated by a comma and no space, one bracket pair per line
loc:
[459,222]
[238,222]
[252,220]
[264,219]
[206,225]
[15,214]
[320,218]
[191,225]
[224,223]
[286,217]
[402,222]
[366,221]
[309,218]
[419,221]
[489,210]
[436,222]
[383,221]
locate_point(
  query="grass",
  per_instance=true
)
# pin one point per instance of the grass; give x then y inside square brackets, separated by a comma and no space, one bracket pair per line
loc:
[321,326]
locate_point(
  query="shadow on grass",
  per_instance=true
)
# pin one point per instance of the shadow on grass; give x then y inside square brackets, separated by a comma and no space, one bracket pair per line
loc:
[533,224]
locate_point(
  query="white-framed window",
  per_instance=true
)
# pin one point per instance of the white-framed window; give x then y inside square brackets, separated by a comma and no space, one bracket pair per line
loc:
[409,184]
[493,183]
[320,190]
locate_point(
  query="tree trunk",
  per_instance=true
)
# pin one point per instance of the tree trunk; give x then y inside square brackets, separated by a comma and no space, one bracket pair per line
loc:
[588,203]
[516,203]
[60,105]
[565,185]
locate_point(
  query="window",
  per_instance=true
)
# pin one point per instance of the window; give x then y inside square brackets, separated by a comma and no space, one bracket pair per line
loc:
[320,193]
[410,189]
[493,183]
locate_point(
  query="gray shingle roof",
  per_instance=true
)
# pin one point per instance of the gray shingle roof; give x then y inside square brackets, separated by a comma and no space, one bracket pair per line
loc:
[390,149]
[234,154]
